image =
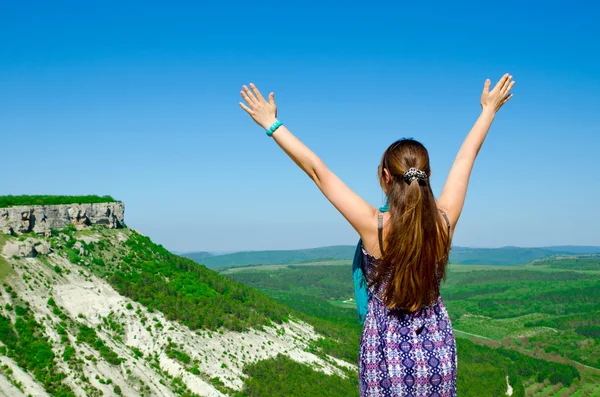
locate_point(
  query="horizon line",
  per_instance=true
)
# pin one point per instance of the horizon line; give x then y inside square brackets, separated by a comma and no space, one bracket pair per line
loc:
[227,252]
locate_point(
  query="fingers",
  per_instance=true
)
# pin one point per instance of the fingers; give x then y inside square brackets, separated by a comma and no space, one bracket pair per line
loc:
[486,86]
[249,97]
[246,98]
[246,108]
[508,87]
[501,82]
[507,99]
[257,92]
[272,98]
[506,84]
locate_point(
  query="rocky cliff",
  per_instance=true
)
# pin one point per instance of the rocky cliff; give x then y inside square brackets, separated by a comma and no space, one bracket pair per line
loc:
[70,327]
[40,219]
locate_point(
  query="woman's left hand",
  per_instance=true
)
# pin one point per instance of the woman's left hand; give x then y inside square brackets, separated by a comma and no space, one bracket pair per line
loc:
[262,112]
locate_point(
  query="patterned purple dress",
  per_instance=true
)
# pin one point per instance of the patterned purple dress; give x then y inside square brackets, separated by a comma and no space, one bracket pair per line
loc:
[406,354]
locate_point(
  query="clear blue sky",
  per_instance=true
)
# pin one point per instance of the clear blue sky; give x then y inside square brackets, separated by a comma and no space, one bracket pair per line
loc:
[140,100]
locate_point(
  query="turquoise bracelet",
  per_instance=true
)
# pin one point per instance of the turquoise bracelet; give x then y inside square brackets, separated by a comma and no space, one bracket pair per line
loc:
[273,127]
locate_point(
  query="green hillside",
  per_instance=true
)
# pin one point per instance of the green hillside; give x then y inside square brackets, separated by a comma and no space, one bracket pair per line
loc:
[575,249]
[545,313]
[108,312]
[193,295]
[71,320]
[13,201]
[581,262]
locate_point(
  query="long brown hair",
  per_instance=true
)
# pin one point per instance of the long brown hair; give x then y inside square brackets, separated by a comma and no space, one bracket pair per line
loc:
[408,274]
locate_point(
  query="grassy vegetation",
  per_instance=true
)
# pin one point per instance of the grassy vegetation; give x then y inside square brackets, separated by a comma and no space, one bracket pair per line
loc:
[588,262]
[549,312]
[13,201]
[483,373]
[180,288]
[287,378]
[535,319]
[542,311]
[89,336]
[25,342]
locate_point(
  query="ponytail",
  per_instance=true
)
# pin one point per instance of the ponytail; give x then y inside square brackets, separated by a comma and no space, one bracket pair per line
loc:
[416,246]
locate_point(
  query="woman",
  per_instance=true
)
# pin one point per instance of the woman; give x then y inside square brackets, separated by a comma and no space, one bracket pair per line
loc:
[407,346]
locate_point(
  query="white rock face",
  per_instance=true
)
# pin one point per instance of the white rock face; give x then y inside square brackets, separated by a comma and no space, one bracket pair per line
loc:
[30,248]
[39,219]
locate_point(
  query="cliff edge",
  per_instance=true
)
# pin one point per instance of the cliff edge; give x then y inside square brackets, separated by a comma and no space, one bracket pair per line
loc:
[41,219]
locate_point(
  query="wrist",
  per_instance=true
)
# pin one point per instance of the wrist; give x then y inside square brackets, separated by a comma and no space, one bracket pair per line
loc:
[488,111]
[273,127]
[268,123]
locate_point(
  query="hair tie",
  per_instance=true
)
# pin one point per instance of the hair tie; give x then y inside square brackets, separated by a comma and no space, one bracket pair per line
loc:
[414,174]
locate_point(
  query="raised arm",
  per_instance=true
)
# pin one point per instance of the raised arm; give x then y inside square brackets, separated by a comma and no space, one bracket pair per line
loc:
[358,212]
[454,192]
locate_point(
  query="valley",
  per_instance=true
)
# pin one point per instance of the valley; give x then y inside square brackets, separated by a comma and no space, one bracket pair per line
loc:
[546,310]
[97,309]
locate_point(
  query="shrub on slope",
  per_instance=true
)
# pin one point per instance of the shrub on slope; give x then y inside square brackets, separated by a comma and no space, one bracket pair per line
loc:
[182,289]
[13,201]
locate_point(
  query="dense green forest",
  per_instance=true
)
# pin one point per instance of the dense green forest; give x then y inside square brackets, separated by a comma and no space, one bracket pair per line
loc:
[13,201]
[509,307]
[523,305]
[287,378]
[180,288]
[588,262]
[483,372]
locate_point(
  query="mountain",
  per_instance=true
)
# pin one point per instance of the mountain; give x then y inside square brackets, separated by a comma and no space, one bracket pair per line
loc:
[506,256]
[575,249]
[199,256]
[498,256]
[93,310]
[338,252]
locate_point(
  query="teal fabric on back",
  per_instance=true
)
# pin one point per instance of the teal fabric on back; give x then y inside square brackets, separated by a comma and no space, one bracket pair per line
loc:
[360,281]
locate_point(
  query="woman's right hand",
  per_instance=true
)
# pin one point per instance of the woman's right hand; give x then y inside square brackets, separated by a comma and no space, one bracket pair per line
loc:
[493,100]
[264,113]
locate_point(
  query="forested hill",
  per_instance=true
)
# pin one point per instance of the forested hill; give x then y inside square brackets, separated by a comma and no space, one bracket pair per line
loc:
[108,312]
[506,256]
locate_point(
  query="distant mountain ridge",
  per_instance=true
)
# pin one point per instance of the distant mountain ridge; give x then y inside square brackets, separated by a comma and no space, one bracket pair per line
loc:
[504,256]
[273,257]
